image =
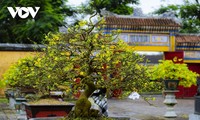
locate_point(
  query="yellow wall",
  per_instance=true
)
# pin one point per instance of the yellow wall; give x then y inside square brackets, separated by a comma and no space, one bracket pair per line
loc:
[191,61]
[9,57]
[172,45]
[152,44]
[151,48]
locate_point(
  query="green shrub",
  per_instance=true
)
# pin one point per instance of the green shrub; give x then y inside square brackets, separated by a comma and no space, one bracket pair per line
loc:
[166,69]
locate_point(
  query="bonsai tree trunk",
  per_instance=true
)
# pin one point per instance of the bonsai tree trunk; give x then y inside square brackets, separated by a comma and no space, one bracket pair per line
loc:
[83,105]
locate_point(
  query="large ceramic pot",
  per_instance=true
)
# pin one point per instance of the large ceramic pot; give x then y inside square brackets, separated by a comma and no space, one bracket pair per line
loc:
[41,111]
[171,84]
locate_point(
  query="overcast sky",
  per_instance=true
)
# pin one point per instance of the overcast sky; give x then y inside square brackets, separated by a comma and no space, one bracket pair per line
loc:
[146,5]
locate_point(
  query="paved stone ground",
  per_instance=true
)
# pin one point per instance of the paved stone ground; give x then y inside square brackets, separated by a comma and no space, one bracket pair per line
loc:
[141,110]
[6,113]
[135,109]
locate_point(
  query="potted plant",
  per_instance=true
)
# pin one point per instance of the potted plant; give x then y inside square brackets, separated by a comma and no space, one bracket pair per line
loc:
[47,108]
[82,54]
[173,74]
[91,58]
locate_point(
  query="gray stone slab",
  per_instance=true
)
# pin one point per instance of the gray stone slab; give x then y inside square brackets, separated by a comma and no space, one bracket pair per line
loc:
[120,118]
[194,117]
[12,117]
[21,117]
[3,117]
[10,114]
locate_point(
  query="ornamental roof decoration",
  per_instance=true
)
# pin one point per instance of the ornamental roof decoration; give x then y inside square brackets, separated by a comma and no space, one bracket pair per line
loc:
[141,23]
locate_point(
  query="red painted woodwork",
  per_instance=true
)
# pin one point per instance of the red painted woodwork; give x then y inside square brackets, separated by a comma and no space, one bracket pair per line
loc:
[51,114]
[176,57]
[186,92]
[195,67]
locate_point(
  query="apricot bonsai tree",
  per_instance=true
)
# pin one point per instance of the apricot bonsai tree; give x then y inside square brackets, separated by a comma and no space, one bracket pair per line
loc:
[86,53]
[99,61]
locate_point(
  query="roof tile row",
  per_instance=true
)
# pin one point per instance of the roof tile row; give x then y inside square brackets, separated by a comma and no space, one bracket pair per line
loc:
[122,21]
[187,38]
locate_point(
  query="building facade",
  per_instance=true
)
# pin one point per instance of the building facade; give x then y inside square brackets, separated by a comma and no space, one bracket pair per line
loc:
[159,35]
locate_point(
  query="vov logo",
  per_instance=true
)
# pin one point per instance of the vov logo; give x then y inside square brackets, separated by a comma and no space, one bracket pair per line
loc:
[23,12]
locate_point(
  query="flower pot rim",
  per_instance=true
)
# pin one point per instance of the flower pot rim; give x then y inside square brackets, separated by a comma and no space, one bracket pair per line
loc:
[171,84]
[27,104]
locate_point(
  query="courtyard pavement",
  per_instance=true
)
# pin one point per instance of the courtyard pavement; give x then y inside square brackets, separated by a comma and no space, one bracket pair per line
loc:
[141,110]
[134,109]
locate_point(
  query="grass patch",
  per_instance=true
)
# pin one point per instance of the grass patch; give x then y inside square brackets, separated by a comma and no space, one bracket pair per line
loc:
[3,100]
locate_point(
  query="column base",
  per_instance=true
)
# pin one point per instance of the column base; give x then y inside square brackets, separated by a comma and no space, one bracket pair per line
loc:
[170,113]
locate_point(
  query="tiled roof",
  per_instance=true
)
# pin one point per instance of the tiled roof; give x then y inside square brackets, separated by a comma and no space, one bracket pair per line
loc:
[187,38]
[20,47]
[131,21]
[187,42]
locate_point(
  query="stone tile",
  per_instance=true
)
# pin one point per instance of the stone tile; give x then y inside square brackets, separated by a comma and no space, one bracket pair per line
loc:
[21,117]
[194,117]
[3,116]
